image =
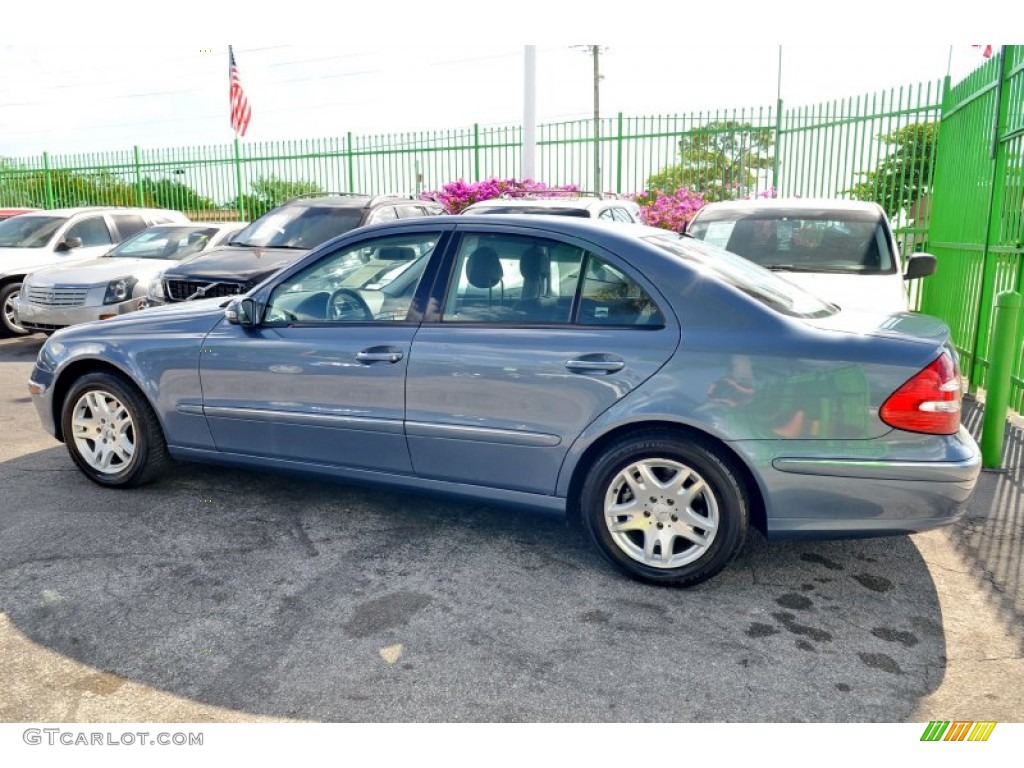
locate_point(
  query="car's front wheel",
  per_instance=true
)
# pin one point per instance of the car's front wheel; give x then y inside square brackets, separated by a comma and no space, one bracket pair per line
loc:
[8,317]
[112,433]
[666,509]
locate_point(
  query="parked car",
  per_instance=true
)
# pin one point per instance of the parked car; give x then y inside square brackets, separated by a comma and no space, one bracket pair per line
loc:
[562,204]
[279,238]
[6,213]
[660,391]
[115,283]
[841,250]
[32,241]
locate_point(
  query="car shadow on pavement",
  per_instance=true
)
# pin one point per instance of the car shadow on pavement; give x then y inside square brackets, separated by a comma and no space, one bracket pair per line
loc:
[289,598]
[991,537]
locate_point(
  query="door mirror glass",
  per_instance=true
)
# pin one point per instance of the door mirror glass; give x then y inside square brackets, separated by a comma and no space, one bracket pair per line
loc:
[244,312]
[69,243]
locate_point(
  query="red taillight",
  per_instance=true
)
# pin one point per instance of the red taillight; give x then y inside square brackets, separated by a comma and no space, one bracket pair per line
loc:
[929,402]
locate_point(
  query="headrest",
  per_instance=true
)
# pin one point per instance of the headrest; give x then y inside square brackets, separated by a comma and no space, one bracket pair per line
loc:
[483,268]
[534,264]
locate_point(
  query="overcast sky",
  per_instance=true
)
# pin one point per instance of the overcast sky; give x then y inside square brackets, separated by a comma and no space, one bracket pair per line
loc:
[146,84]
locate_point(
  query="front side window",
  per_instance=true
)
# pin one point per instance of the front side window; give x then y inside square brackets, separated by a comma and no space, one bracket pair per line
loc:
[372,281]
[517,280]
[92,231]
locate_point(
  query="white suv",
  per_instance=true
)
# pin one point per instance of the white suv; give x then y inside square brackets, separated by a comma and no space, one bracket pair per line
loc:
[63,236]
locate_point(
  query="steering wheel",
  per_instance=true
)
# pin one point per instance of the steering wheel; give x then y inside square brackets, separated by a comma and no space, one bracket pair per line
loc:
[347,305]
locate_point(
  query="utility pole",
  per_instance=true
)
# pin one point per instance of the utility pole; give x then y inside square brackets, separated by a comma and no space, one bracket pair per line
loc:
[595,51]
[530,112]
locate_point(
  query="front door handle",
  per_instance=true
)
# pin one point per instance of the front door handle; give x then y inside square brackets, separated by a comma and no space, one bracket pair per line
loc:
[596,364]
[379,355]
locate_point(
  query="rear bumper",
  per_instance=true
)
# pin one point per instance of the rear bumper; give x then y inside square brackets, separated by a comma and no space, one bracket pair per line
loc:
[835,496]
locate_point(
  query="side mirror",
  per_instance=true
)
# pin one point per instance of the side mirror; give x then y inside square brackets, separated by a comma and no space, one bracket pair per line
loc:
[244,312]
[920,265]
[69,243]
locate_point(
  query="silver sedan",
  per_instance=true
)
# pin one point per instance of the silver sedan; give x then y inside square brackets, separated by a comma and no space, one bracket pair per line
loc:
[115,283]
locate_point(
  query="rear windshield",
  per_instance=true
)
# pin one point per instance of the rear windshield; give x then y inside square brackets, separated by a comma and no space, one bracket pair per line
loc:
[793,240]
[757,282]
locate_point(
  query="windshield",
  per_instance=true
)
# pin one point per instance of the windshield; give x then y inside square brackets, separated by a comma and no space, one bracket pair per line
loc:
[164,243]
[28,231]
[800,240]
[298,226]
[768,288]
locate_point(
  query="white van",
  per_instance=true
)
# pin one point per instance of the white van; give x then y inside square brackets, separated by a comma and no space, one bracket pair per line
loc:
[840,250]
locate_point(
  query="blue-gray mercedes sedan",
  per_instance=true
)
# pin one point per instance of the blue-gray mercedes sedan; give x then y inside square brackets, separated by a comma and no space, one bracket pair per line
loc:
[659,391]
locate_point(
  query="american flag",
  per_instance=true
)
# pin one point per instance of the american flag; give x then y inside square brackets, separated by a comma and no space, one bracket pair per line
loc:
[984,50]
[240,110]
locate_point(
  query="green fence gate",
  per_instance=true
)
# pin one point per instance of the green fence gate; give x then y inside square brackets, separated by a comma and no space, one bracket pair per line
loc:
[977,221]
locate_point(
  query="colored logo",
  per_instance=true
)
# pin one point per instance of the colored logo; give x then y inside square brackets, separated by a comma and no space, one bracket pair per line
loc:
[959,730]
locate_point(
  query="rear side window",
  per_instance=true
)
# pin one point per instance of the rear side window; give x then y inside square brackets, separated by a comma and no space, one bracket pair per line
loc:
[128,225]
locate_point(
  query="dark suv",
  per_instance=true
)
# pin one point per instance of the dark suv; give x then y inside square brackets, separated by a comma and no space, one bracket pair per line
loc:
[277,239]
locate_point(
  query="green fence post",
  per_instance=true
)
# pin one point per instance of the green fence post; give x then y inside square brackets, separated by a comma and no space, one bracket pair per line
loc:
[997,393]
[238,180]
[140,195]
[351,163]
[476,152]
[48,181]
[618,158]
[778,145]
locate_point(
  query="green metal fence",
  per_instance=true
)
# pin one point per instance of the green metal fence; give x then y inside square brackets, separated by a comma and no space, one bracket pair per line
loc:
[977,225]
[824,150]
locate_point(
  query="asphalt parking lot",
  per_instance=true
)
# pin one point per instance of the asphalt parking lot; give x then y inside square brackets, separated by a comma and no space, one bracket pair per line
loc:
[221,595]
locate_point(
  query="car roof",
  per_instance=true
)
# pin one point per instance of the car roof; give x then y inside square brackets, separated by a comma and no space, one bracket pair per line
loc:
[345,200]
[548,202]
[794,203]
[68,212]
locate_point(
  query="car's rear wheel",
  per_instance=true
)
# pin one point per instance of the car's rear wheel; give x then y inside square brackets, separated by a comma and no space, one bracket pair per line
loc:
[112,433]
[666,509]
[8,318]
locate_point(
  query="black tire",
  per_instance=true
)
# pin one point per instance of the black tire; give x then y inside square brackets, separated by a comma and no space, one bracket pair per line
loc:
[122,419]
[674,470]
[7,325]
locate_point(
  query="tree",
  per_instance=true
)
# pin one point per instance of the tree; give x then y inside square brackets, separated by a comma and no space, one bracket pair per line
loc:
[269,192]
[168,193]
[720,160]
[904,176]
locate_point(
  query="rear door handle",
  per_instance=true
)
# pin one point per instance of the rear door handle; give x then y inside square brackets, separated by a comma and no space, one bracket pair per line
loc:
[379,355]
[595,365]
